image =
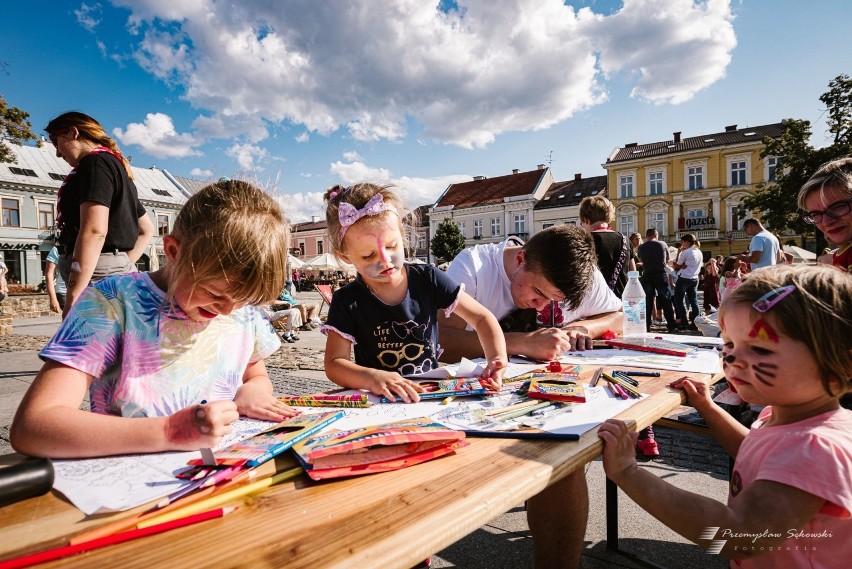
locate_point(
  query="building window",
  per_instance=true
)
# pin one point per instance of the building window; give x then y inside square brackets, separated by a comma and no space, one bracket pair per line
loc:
[657,220]
[462,225]
[520,223]
[695,177]
[626,185]
[162,224]
[547,224]
[738,173]
[45,215]
[11,212]
[477,228]
[738,216]
[771,166]
[320,248]
[421,243]
[655,183]
[301,248]
[626,224]
[495,226]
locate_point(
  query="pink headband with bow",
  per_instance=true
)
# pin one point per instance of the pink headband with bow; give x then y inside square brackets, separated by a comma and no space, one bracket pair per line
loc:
[348,214]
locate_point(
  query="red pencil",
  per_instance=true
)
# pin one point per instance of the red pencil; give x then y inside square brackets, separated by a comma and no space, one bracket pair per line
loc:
[65,551]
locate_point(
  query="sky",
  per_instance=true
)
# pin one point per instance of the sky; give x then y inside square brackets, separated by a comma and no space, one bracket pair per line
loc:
[299,95]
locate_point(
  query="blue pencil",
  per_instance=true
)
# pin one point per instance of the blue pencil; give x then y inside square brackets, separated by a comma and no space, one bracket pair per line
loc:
[638,373]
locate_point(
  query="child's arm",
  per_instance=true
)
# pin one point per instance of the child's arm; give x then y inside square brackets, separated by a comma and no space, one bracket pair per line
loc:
[49,422]
[490,336]
[766,509]
[727,430]
[254,398]
[346,373]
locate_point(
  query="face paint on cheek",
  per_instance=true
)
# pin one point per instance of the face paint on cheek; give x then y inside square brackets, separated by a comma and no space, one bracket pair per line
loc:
[763,331]
[762,371]
[727,359]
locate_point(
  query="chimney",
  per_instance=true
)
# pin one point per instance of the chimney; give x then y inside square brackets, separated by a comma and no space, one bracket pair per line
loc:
[631,145]
[677,137]
[314,218]
[731,128]
[515,171]
[577,177]
[541,166]
[477,178]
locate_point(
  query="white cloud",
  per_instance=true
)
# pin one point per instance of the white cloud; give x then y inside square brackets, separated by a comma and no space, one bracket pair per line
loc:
[157,136]
[201,173]
[414,192]
[88,16]
[303,137]
[247,156]
[463,77]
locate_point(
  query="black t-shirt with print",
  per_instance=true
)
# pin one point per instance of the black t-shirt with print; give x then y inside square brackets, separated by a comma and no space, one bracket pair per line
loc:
[402,338]
[101,178]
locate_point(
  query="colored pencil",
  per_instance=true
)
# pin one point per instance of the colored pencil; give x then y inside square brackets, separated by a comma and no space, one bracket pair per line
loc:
[535,435]
[223,498]
[521,405]
[521,412]
[623,384]
[626,378]
[65,551]
[351,400]
[596,378]
[638,373]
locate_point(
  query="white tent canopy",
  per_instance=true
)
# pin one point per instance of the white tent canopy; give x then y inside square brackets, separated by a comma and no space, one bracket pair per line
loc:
[295,262]
[800,255]
[328,262]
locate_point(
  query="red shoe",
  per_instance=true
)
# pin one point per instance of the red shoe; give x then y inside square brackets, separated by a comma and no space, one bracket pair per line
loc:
[648,447]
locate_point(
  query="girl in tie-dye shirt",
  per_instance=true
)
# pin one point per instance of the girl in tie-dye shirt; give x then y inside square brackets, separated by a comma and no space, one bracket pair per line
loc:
[170,358]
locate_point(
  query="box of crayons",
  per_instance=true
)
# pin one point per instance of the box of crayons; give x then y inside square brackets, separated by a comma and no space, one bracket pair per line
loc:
[557,387]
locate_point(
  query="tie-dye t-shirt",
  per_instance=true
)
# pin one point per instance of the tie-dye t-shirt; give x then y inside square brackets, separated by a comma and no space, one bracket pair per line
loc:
[147,357]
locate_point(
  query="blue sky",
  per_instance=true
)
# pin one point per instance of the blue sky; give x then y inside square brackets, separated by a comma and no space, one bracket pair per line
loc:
[299,95]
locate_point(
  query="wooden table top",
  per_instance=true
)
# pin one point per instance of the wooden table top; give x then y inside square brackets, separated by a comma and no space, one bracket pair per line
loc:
[393,519]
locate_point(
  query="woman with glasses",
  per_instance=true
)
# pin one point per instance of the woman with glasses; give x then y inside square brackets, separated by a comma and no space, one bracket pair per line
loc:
[827,199]
[103,228]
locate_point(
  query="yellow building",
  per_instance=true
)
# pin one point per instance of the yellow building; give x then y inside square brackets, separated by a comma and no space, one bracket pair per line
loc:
[691,185]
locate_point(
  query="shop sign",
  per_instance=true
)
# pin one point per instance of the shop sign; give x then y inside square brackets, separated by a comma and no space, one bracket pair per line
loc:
[19,246]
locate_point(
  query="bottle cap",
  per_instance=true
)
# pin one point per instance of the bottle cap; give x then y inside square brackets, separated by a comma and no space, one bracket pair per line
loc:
[632,274]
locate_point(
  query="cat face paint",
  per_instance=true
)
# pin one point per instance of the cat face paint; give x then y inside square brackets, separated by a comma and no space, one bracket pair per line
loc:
[375,246]
[764,366]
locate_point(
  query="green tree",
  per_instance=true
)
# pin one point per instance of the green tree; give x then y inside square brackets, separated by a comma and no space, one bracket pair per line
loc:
[448,241]
[15,128]
[775,201]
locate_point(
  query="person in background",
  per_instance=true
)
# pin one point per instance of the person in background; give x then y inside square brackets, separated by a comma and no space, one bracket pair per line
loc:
[612,248]
[297,280]
[764,250]
[307,312]
[635,241]
[711,286]
[103,228]
[688,265]
[55,285]
[827,199]
[732,272]
[171,358]
[786,337]
[4,286]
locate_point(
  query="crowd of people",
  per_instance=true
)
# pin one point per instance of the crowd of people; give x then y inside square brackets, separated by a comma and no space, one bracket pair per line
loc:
[197,336]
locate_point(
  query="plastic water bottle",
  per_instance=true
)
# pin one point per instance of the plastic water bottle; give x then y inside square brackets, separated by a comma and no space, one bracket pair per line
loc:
[633,302]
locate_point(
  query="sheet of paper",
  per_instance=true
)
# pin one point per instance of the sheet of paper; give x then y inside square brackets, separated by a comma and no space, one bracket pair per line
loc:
[117,483]
[701,360]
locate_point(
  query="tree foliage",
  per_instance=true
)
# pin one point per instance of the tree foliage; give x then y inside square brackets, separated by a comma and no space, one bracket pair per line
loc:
[14,127]
[776,201]
[448,241]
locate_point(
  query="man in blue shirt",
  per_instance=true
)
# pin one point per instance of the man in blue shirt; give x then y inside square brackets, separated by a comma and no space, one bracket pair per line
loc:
[764,249]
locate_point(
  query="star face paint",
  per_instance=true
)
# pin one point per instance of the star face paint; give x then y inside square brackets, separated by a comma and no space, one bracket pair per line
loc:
[764,366]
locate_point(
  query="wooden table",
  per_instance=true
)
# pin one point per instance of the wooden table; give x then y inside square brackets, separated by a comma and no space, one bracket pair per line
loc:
[394,519]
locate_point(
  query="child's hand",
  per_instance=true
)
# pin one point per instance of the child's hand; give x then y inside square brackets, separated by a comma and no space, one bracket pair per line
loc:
[697,393]
[392,385]
[200,426]
[619,456]
[492,375]
[255,401]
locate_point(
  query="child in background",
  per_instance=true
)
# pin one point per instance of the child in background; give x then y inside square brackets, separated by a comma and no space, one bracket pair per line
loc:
[173,357]
[786,332]
[389,314]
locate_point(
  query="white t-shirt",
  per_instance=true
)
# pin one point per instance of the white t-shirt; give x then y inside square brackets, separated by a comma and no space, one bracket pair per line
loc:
[692,259]
[768,245]
[480,269]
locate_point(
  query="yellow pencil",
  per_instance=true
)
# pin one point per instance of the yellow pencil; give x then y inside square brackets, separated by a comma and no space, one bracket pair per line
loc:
[220,499]
[520,405]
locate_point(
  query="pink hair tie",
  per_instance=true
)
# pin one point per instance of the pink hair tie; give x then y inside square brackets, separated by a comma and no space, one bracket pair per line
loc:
[336,193]
[348,214]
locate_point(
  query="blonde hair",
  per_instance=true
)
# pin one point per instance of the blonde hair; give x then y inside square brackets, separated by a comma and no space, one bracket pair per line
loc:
[235,231]
[357,196]
[597,208]
[834,174]
[90,129]
[818,314]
